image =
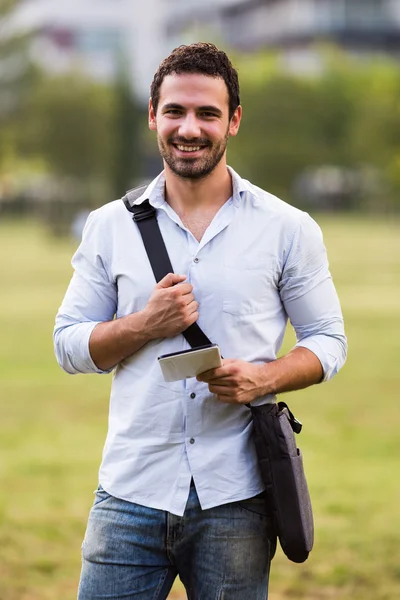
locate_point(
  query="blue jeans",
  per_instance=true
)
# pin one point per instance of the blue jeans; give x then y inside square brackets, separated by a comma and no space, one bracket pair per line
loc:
[133,552]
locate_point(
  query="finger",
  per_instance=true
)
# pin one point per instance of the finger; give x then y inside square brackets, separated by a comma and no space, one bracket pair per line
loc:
[193,318]
[213,374]
[225,381]
[192,306]
[170,280]
[188,299]
[205,376]
[219,389]
[222,382]
[226,399]
[183,289]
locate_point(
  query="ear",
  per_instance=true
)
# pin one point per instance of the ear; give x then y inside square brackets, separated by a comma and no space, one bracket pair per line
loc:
[152,117]
[235,121]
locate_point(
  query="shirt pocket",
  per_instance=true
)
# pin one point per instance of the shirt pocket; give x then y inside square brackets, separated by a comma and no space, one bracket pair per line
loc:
[248,281]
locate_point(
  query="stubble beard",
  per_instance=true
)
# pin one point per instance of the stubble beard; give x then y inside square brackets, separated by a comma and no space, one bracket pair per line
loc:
[193,168]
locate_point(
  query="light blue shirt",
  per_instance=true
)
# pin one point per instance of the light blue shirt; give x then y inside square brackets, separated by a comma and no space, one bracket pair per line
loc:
[259,262]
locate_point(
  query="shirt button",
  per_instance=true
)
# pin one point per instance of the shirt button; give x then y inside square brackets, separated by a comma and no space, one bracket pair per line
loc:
[196,260]
[192,440]
[193,395]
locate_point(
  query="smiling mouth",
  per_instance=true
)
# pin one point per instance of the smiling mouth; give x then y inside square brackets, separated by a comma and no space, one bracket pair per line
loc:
[188,149]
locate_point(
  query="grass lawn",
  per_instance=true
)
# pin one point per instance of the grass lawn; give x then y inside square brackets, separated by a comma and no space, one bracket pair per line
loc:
[52,427]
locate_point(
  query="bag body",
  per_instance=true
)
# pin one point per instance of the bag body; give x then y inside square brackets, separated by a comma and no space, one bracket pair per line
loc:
[281,466]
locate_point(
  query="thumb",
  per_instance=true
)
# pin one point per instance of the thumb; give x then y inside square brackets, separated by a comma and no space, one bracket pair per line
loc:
[170,280]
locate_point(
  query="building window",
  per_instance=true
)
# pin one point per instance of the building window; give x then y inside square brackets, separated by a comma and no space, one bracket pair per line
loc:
[338,14]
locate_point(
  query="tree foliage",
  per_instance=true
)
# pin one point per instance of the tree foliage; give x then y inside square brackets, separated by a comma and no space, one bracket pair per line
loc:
[68,122]
[347,117]
[340,127]
[16,76]
[128,125]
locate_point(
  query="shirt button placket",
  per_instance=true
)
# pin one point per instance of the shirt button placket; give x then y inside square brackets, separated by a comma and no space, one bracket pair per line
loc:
[192,440]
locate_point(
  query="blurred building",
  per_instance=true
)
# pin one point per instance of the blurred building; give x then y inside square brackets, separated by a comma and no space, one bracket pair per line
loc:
[281,23]
[294,27]
[96,35]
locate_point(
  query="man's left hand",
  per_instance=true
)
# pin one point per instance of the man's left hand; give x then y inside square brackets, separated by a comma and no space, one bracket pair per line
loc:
[236,382]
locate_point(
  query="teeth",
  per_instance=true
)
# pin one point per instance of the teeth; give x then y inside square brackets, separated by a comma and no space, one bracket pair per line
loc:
[189,148]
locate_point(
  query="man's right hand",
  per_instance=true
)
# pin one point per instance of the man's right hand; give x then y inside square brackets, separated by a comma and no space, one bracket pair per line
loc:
[169,311]
[171,307]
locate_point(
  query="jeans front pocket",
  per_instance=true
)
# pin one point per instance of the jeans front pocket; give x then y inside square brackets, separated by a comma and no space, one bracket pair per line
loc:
[256,505]
[100,495]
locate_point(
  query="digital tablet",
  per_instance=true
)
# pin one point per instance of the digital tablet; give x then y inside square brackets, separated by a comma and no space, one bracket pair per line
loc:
[189,363]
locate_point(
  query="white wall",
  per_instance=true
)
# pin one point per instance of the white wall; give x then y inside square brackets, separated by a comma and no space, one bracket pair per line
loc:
[146,42]
[71,13]
[394,10]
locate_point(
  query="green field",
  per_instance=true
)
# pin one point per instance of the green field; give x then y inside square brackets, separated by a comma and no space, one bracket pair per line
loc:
[52,427]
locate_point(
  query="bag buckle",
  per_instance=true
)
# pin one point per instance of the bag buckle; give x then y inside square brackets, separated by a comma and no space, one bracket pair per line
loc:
[295,424]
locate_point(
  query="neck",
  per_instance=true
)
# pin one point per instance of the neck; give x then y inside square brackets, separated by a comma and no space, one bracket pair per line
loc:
[187,196]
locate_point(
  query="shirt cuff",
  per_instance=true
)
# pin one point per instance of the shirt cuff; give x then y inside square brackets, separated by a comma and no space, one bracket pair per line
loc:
[330,351]
[72,349]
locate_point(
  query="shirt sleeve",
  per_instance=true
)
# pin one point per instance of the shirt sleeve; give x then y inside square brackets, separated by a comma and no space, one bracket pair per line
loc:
[91,298]
[310,299]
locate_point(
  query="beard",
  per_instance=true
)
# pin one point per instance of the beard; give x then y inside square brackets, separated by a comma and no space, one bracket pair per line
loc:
[193,168]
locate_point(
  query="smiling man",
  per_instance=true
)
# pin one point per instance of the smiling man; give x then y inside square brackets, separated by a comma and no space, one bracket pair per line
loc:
[180,493]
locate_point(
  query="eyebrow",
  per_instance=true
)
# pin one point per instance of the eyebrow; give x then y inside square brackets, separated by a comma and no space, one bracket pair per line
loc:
[207,108]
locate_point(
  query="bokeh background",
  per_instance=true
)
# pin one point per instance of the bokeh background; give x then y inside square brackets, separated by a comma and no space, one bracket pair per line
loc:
[321,129]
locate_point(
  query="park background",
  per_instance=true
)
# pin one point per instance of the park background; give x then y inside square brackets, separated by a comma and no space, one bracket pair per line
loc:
[321,129]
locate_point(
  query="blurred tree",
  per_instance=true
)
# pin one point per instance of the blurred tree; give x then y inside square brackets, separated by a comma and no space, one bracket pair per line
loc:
[290,124]
[68,122]
[67,129]
[16,76]
[128,125]
[347,117]
[340,129]
[374,137]
[280,133]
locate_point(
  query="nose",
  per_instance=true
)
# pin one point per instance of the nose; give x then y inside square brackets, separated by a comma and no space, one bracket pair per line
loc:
[189,127]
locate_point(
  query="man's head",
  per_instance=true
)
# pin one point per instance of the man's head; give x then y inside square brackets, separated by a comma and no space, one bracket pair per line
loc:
[201,58]
[194,108]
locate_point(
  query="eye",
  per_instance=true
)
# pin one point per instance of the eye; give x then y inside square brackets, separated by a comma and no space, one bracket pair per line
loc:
[207,115]
[173,112]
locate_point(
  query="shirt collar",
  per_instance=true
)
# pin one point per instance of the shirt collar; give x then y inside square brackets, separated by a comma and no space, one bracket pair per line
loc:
[241,187]
[155,191]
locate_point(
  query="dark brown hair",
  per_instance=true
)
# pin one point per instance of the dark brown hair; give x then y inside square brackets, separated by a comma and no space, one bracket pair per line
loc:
[203,58]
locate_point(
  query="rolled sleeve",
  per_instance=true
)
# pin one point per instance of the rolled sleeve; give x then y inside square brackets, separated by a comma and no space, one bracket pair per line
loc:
[91,298]
[71,346]
[310,299]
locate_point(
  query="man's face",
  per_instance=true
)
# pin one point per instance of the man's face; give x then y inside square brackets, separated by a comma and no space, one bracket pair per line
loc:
[192,123]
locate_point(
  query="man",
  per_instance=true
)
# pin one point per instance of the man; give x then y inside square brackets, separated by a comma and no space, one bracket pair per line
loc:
[180,492]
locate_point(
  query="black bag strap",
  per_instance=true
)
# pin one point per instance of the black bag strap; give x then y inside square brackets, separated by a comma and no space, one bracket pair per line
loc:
[145,217]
